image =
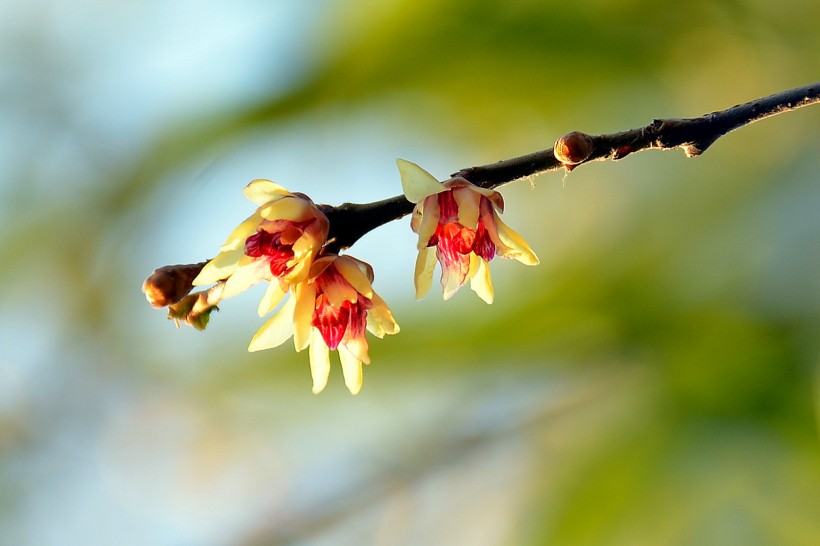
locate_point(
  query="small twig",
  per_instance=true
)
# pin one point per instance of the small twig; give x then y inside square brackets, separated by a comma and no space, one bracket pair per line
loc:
[350,221]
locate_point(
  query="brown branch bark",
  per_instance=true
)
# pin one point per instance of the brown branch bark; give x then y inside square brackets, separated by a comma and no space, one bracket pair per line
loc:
[350,221]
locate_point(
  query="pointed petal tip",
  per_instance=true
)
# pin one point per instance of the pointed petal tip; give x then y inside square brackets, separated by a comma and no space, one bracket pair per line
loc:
[319,363]
[481,282]
[351,370]
[318,388]
[277,330]
[254,347]
[262,191]
[355,390]
[417,183]
[527,257]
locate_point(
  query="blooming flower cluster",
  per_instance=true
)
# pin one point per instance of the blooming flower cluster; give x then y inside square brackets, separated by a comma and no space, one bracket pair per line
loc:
[330,301]
[330,311]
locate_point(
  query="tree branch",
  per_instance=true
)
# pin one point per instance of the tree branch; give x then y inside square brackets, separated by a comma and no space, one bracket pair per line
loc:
[350,221]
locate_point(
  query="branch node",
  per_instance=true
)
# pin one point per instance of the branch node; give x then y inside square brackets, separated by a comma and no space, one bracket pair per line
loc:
[573,148]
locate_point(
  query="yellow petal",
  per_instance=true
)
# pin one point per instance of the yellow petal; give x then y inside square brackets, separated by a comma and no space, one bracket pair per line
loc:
[304,251]
[364,267]
[221,267]
[276,330]
[318,228]
[467,201]
[348,268]
[513,245]
[305,295]
[425,264]
[428,223]
[262,191]
[290,208]
[352,370]
[246,276]
[356,347]
[416,217]
[475,261]
[273,295]
[319,362]
[311,240]
[318,266]
[495,198]
[290,235]
[481,283]
[298,272]
[380,320]
[338,290]
[416,182]
[314,235]
[236,240]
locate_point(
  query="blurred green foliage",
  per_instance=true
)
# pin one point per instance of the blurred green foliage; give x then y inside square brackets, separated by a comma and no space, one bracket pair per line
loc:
[654,381]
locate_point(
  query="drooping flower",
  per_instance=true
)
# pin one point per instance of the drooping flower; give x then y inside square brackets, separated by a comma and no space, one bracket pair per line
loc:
[329,311]
[278,243]
[458,226]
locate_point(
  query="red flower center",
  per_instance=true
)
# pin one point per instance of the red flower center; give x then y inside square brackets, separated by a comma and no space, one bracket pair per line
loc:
[483,245]
[453,239]
[337,323]
[270,245]
[448,207]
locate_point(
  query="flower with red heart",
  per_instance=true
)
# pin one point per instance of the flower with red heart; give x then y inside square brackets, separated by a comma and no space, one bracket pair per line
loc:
[459,226]
[328,311]
[277,243]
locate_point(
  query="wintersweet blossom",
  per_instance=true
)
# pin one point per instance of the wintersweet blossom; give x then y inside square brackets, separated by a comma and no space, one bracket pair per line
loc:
[458,226]
[329,311]
[278,243]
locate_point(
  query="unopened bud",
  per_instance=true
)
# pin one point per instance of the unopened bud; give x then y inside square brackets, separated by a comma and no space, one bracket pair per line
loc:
[573,148]
[169,284]
[195,309]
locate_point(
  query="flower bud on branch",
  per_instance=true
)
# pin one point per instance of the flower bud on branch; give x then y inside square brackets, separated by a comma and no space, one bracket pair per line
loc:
[170,284]
[573,148]
[195,309]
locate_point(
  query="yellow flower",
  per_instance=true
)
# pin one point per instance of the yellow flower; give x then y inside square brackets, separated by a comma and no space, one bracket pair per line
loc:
[460,221]
[330,311]
[278,243]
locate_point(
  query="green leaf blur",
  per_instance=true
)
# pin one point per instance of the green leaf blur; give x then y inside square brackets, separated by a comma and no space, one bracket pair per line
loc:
[654,381]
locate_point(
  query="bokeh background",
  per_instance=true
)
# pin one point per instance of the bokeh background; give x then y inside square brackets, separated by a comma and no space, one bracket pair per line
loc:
[654,381]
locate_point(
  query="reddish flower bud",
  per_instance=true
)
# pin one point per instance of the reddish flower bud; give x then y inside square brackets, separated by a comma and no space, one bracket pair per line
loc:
[170,284]
[573,148]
